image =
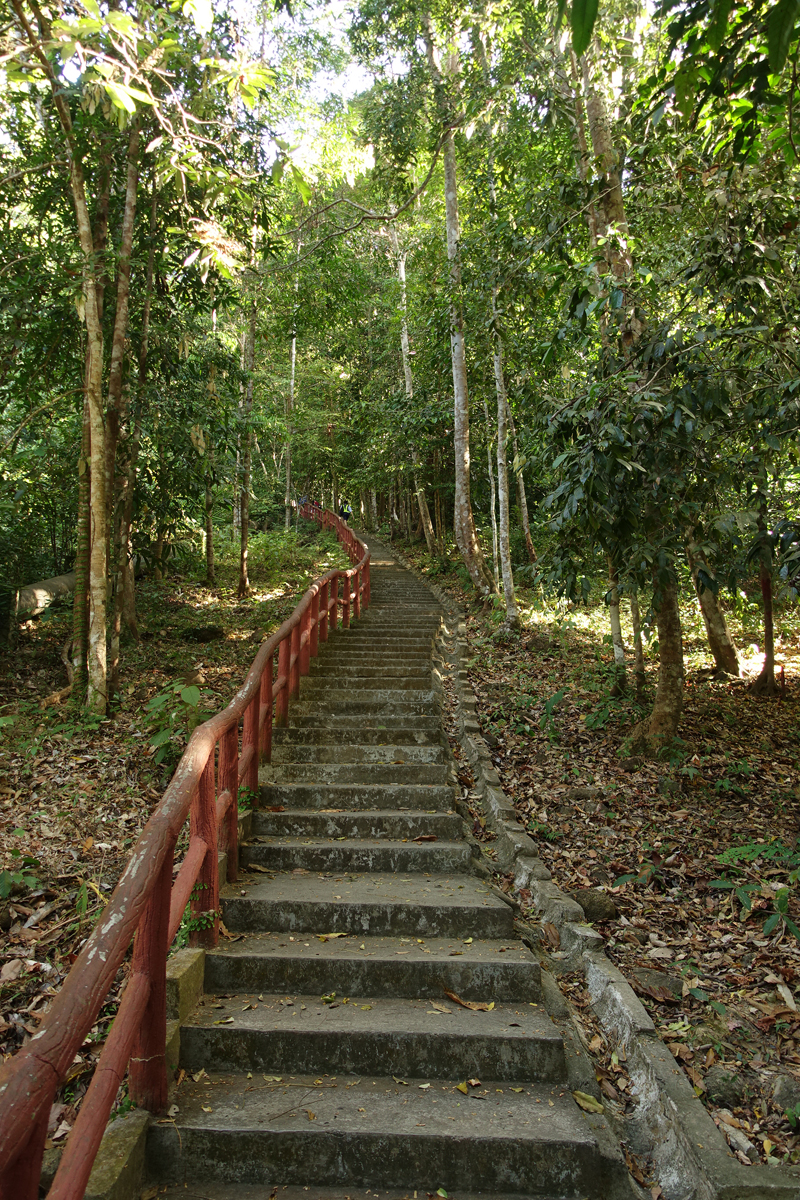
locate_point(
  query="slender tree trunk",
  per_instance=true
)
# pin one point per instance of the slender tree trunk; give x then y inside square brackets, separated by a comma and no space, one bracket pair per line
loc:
[638,650]
[765,684]
[620,678]
[492,497]
[463,521]
[522,499]
[373,508]
[209,515]
[290,408]
[247,453]
[659,731]
[720,642]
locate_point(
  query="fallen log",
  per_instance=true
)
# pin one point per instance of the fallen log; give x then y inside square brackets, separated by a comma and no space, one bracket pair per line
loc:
[36,597]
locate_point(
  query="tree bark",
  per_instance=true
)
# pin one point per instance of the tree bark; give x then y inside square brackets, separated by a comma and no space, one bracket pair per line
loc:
[247,453]
[638,650]
[658,733]
[620,678]
[373,508]
[765,684]
[492,498]
[522,499]
[463,520]
[720,642]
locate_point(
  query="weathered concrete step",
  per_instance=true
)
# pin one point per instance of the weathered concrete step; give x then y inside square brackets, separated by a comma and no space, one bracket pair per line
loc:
[361,639]
[357,735]
[373,1036]
[340,684]
[356,965]
[217,1190]
[349,670]
[359,796]
[354,773]
[352,752]
[380,1133]
[359,699]
[375,824]
[359,854]
[308,719]
[381,904]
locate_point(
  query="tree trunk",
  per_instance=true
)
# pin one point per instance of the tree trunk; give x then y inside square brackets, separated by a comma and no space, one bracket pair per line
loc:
[765,684]
[659,732]
[247,453]
[373,508]
[638,651]
[720,642]
[209,515]
[620,678]
[492,497]
[463,521]
[522,499]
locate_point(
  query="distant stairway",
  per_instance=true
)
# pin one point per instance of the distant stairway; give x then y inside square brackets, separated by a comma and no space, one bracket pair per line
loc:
[332,1063]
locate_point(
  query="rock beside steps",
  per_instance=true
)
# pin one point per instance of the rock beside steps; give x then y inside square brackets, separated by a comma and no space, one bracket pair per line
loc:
[326,1059]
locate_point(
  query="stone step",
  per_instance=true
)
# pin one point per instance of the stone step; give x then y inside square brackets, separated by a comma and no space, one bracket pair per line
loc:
[323,704]
[374,773]
[218,1190]
[345,669]
[309,719]
[304,1035]
[357,797]
[376,824]
[381,904]
[361,965]
[356,854]
[288,735]
[352,752]
[376,1132]
[342,685]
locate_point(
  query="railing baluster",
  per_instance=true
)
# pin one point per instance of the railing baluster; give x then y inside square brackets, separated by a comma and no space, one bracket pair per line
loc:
[305,646]
[294,670]
[357,594]
[20,1181]
[147,1072]
[324,599]
[345,600]
[265,714]
[229,782]
[203,823]
[314,641]
[250,741]
[282,706]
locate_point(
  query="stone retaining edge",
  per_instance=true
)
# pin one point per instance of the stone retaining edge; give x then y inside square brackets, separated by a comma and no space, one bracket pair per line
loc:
[689,1153]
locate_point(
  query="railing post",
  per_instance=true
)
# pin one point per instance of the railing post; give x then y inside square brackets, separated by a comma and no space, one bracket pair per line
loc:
[357,595]
[324,600]
[203,823]
[314,638]
[305,650]
[147,1072]
[345,600]
[250,738]
[294,670]
[21,1180]
[265,744]
[367,588]
[282,705]
[229,782]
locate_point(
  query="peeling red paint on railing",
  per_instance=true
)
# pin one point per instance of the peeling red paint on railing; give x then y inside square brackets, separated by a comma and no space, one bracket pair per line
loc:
[149,904]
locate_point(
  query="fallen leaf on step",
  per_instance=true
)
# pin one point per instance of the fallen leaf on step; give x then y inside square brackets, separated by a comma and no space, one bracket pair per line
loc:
[275,808]
[394,1077]
[587,1103]
[224,1021]
[323,937]
[475,1005]
[199,1075]
[426,837]
[256,867]
[366,1007]
[206,1109]
[312,1116]
[423,1086]
[274,1078]
[551,934]
[442,1008]
[455,953]
[517,1090]
[462,1087]
[173,1110]
[474,1082]
[786,995]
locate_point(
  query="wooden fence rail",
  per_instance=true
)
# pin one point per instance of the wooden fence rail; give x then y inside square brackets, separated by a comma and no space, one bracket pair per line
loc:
[147,905]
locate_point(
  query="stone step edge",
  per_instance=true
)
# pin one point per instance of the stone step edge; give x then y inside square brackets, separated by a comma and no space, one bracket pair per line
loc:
[685,1146]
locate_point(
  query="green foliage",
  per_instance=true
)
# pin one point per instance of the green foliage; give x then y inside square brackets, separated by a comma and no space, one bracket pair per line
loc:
[172,714]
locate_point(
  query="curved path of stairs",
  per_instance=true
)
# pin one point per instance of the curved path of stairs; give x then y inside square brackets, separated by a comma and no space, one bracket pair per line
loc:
[331,1063]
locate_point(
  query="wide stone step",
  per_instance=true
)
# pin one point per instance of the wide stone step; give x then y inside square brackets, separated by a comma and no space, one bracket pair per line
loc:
[345,669]
[309,719]
[357,797]
[354,773]
[372,1036]
[357,854]
[350,752]
[363,700]
[377,824]
[357,735]
[219,1190]
[342,684]
[381,904]
[363,965]
[381,1133]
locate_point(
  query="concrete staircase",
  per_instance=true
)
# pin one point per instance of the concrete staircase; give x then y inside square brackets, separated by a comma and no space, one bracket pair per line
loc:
[325,1059]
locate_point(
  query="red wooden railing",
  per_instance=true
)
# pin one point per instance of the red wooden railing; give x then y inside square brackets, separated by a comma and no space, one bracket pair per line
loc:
[147,902]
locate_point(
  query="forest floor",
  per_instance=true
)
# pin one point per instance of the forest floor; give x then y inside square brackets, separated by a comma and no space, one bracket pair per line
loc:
[76,791]
[694,852]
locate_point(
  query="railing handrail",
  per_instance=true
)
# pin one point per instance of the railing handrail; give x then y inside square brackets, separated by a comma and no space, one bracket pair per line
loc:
[29,1080]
